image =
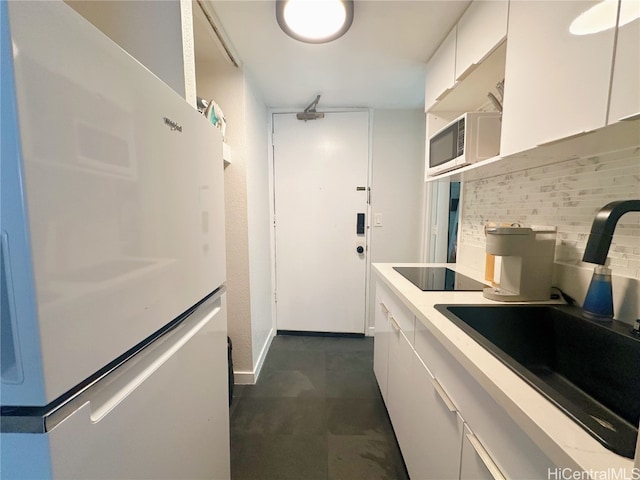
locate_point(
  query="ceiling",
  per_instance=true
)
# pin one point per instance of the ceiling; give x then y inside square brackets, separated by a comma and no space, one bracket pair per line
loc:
[378,63]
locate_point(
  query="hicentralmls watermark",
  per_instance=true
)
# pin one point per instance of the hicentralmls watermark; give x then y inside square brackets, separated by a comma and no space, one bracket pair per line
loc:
[606,474]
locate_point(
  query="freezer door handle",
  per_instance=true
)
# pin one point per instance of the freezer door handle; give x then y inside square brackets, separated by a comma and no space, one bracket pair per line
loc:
[107,397]
[106,393]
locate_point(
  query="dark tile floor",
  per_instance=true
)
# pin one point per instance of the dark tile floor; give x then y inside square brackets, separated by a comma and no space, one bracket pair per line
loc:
[315,413]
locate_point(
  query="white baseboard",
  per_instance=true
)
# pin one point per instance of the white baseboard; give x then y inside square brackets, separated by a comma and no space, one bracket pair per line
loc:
[243,378]
[263,354]
[250,378]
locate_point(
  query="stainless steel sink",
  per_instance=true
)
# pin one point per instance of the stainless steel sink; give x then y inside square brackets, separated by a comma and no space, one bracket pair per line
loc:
[589,370]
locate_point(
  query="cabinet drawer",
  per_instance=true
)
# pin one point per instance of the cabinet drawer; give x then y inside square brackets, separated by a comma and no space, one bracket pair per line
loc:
[512,450]
[398,312]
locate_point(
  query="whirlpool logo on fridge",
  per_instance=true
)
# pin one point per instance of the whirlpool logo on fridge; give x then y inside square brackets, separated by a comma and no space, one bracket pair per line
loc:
[173,125]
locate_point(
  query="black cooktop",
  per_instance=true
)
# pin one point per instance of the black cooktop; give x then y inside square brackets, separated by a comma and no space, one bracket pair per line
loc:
[439,279]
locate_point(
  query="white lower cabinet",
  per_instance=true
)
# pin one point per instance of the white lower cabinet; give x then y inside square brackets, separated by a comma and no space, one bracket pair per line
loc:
[381,346]
[505,442]
[399,385]
[436,428]
[393,321]
[475,462]
[447,425]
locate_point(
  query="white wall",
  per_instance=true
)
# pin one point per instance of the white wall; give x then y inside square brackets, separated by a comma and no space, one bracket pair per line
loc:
[259,224]
[396,188]
[227,88]
[151,31]
[566,194]
[250,319]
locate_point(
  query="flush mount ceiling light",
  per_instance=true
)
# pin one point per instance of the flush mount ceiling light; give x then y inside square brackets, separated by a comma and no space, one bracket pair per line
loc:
[602,16]
[314,21]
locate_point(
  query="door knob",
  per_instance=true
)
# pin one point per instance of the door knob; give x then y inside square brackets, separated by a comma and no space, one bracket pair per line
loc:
[360,249]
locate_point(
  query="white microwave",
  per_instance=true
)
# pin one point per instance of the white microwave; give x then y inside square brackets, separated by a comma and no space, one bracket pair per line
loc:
[468,139]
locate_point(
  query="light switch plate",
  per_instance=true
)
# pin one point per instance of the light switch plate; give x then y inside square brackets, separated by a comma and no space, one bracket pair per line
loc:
[377,220]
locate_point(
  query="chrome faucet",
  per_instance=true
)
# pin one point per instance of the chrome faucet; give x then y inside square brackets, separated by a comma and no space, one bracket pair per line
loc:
[602,229]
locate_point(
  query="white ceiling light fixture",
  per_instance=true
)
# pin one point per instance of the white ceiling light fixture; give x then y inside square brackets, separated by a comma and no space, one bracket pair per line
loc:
[314,21]
[602,16]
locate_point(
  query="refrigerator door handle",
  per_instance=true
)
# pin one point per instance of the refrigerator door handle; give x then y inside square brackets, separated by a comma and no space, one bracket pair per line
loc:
[108,396]
[106,393]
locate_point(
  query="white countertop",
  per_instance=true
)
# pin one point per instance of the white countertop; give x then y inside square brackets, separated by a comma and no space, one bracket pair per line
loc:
[563,440]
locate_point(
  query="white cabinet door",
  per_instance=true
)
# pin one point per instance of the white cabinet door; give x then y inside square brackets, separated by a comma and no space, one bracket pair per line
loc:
[436,428]
[476,463]
[556,83]
[381,346]
[441,71]
[517,455]
[480,30]
[625,89]
[399,384]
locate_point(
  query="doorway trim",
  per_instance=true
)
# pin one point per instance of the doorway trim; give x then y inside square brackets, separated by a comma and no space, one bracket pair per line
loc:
[368,322]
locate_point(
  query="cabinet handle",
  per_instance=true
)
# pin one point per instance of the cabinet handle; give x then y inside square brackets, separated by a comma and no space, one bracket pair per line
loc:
[109,390]
[443,94]
[485,457]
[394,324]
[467,72]
[443,395]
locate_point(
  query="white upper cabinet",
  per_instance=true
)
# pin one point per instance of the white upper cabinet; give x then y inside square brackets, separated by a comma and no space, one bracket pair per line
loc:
[441,71]
[480,30]
[556,83]
[625,89]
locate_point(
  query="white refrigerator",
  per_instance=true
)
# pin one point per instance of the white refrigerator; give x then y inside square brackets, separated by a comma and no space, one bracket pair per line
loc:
[113,312]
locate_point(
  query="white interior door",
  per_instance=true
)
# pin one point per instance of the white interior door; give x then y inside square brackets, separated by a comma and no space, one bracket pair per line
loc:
[320,185]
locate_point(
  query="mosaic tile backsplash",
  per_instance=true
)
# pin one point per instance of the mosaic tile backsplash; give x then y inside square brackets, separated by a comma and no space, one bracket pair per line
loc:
[566,194]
